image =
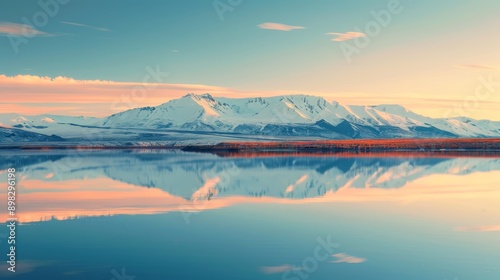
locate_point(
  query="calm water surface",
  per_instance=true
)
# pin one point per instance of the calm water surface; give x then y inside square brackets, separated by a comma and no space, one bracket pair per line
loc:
[174,215]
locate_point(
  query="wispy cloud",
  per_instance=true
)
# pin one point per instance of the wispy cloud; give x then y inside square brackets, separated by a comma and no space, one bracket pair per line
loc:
[339,37]
[480,228]
[278,269]
[86,25]
[345,258]
[479,66]
[16,29]
[279,26]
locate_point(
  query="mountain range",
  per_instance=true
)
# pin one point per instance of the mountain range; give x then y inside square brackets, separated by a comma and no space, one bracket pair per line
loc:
[300,116]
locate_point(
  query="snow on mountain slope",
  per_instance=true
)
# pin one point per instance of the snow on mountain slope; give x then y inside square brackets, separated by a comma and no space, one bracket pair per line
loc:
[469,127]
[205,112]
[393,115]
[13,135]
[290,114]
[44,121]
[227,113]
[64,126]
[278,116]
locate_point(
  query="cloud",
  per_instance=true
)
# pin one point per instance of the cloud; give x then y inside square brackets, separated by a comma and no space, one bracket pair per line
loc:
[479,66]
[15,29]
[85,25]
[95,97]
[279,26]
[62,80]
[346,36]
[278,269]
[480,228]
[345,258]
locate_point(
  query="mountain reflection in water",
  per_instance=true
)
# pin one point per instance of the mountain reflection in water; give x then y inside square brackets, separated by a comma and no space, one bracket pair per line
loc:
[66,184]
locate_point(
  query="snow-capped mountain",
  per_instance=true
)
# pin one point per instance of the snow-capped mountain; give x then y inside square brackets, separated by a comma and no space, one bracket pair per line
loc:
[65,126]
[290,115]
[297,115]
[205,112]
[12,135]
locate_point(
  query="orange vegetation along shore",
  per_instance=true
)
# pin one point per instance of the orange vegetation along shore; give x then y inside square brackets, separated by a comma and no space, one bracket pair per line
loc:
[481,145]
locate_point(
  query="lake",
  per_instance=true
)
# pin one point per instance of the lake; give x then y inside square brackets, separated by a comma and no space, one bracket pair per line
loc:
[167,214]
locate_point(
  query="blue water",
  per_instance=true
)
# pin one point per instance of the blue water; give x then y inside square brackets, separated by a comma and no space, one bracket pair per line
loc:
[94,215]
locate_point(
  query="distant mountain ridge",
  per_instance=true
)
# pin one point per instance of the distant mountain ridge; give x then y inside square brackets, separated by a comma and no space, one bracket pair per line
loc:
[288,115]
[10,135]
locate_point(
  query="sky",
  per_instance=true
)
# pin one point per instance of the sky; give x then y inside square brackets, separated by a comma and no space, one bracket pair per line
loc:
[75,57]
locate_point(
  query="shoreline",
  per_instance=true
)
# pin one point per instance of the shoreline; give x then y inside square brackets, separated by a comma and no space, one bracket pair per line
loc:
[351,147]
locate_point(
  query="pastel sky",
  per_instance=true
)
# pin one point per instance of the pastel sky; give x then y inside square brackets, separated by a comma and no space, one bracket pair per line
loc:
[437,58]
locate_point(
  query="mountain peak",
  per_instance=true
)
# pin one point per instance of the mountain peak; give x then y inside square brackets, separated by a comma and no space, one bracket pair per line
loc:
[195,96]
[303,97]
[207,96]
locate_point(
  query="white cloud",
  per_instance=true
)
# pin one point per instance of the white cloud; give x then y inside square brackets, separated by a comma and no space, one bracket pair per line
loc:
[278,269]
[15,29]
[339,37]
[345,258]
[279,26]
[85,25]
